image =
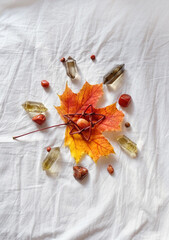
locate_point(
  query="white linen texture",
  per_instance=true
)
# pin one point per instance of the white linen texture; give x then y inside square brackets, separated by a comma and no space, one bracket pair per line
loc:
[133,203]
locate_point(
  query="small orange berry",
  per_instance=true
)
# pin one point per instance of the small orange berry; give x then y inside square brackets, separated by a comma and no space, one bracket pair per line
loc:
[62,59]
[93,57]
[110,169]
[45,83]
[48,149]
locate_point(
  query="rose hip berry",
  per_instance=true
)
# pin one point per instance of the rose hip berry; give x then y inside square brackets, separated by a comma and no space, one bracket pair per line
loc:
[80,172]
[45,83]
[110,169]
[124,100]
[39,119]
[62,59]
[48,149]
[93,57]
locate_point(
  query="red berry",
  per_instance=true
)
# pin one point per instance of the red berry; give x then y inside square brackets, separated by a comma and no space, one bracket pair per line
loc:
[39,119]
[127,124]
[124,100]
[93,57]
[45,83]
[48,149]
[110,169]
[62,59]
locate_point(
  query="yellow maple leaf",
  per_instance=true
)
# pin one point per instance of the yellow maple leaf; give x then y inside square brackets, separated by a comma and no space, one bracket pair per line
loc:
[82,105]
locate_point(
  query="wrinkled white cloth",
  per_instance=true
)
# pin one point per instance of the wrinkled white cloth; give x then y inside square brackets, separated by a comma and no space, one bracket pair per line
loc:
[133,204]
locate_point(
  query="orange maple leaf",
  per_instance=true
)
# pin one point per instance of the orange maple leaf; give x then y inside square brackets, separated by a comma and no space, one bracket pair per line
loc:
[73,105]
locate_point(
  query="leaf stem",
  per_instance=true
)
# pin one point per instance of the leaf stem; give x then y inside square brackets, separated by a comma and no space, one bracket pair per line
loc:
[62,124]
[74,124]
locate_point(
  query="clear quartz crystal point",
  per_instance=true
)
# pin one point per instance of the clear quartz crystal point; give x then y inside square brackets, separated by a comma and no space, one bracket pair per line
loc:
[127,145]
[51,158]
[71,68]
[114,74]
[34,107]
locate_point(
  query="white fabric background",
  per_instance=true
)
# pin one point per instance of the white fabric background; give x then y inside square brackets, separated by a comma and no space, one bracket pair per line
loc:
[133,203]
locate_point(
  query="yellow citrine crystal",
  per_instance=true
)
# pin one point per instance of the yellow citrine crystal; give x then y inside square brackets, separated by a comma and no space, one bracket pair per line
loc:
[35,107]
[127,145]
[52,156]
